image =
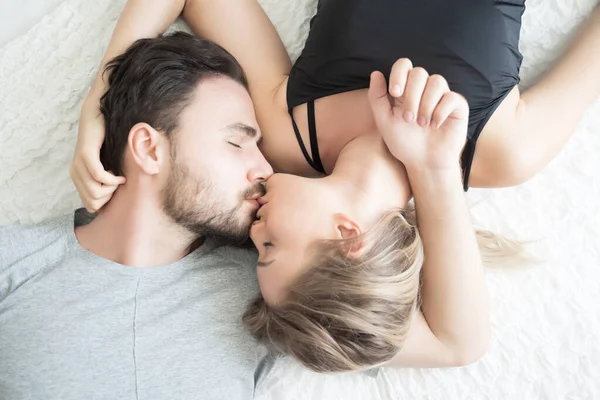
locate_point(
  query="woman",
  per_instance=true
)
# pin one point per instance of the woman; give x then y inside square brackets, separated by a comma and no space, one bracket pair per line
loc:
[340,258]
[474,46]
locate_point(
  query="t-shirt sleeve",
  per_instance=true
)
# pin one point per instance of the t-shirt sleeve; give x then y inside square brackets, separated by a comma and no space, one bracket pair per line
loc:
[27,249]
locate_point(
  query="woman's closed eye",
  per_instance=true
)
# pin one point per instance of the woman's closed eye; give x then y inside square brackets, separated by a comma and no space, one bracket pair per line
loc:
[263,264]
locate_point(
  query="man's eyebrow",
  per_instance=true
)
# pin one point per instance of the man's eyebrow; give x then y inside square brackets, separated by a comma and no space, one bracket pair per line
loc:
[246,130]
[264,264]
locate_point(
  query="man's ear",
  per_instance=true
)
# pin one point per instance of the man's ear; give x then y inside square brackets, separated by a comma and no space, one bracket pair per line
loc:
[148,147]
[347,228]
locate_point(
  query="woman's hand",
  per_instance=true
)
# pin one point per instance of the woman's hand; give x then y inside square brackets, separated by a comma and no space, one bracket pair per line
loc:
[423,123]
[139,19]
[95,185]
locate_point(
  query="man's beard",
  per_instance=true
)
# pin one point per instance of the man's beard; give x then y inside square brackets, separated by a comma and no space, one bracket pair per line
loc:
[194,204]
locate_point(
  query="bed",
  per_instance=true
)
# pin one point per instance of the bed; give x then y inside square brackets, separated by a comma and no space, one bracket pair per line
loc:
[546,319]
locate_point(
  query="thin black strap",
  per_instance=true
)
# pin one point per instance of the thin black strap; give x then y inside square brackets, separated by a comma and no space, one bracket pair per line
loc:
[301,142]
[466,161]
[312,133]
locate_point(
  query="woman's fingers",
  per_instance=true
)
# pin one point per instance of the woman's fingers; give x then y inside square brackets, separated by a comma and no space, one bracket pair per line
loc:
[399,77]
[417,81]
[452,105]
[434,91]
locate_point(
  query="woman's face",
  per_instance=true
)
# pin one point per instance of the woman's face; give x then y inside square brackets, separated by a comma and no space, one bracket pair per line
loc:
[295,213]
[298,212]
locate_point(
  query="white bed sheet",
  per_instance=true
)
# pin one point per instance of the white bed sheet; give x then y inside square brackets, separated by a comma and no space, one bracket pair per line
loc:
[18,16]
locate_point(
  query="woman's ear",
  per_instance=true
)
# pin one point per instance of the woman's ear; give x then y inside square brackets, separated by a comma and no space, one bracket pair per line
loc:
[348,230]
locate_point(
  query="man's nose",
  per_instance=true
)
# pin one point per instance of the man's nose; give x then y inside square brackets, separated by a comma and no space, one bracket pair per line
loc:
[261,171]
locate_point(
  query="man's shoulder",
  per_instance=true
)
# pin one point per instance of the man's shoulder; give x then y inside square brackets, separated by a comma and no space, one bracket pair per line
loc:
[22,242]
[233,267]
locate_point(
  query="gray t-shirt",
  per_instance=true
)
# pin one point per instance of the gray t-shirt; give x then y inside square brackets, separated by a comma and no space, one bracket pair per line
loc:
[76,326]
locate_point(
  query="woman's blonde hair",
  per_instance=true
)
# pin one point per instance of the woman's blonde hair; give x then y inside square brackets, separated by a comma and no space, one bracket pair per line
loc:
[347,313]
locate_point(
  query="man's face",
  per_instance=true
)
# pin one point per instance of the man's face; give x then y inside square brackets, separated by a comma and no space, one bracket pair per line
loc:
[216,167]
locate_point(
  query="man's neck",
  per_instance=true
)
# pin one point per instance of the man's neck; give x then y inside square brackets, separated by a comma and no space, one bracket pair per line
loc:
[133,230]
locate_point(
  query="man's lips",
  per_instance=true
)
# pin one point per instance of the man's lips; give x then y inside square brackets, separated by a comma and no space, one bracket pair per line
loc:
[254,199]
[254,202]
[255,196]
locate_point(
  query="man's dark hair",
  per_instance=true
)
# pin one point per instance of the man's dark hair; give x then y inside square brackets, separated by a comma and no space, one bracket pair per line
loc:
[153,82]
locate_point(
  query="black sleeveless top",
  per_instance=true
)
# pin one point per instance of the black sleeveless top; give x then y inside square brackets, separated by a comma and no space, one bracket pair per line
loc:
[471,43]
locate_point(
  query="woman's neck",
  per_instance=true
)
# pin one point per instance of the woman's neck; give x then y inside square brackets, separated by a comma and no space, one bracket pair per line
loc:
[374,179]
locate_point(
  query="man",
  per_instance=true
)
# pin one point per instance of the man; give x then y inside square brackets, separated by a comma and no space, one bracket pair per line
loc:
[144,302]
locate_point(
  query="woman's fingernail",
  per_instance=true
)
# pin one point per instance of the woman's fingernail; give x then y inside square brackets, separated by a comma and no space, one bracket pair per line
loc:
[396,90]
[423,121]
[408,116]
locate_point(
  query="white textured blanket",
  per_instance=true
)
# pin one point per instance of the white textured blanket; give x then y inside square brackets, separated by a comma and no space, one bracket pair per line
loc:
[546,320]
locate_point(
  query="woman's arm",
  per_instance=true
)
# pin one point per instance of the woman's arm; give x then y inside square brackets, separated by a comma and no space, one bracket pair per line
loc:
[242,28]
[239,26]
[528,130]
[139,19]
[453,328]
